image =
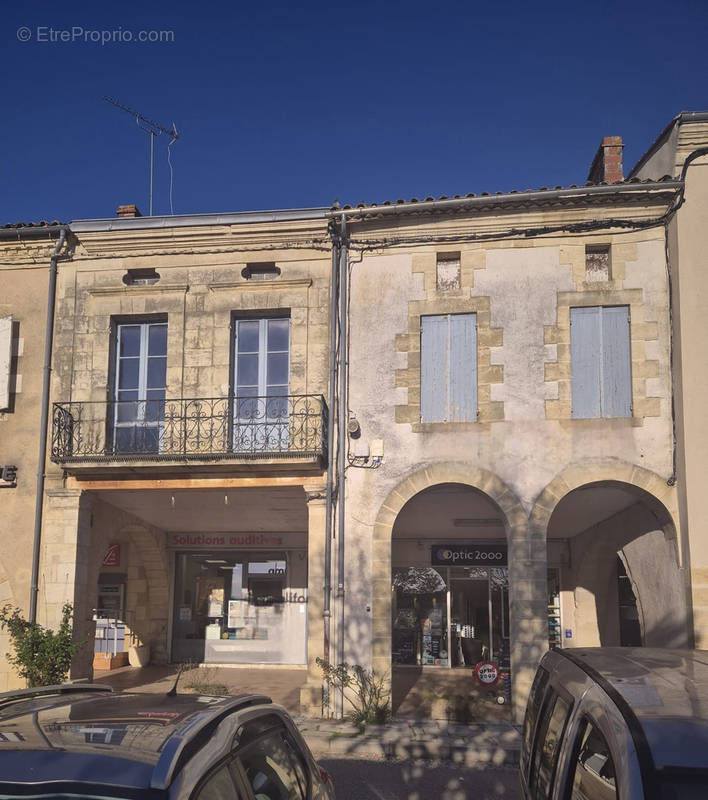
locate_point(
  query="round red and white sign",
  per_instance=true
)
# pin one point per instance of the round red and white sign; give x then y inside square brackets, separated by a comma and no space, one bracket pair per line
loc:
[487,673]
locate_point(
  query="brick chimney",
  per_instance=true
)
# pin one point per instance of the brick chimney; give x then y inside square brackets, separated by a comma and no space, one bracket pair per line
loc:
[128,211]
[607,164]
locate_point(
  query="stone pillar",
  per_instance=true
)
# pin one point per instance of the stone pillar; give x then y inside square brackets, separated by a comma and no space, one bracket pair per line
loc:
[528,607]
[64,570]
[311,695]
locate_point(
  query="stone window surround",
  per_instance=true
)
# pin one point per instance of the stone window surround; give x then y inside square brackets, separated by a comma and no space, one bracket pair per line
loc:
[449,301]
[558,335]
[185,307]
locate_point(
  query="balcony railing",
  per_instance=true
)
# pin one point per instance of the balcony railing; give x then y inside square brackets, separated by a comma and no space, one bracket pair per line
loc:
[274,427]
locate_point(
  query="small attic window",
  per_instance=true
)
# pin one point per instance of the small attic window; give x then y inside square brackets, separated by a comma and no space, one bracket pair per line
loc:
[261,271]
[598,263]
[448,271]
[141,277]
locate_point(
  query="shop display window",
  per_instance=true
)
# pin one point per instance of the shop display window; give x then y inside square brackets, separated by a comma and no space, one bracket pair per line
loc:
[240,607]
[420,617]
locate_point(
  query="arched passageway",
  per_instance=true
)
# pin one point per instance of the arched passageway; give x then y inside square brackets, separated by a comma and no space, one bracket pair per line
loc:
[619,579]
[465,585]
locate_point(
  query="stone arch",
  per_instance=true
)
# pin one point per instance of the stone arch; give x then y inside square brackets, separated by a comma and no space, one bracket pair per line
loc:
[527,569]
[655,488]
[642,536]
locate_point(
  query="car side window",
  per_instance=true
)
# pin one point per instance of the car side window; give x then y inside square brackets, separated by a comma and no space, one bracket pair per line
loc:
[272,769]
[593,769]
[218,786]
[546,756]
[534,704]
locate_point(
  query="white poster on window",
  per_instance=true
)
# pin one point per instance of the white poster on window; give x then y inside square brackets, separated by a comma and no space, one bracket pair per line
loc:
[237,613]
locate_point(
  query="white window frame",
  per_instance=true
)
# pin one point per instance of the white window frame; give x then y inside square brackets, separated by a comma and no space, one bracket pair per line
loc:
[142,399]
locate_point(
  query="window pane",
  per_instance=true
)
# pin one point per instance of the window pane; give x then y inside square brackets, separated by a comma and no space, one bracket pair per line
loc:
[532,709]
[126,408]
[155,407]
[278,334]
[594,777]
[157,373]
[219,787]
[270,771]
[128,373]
[277,368]
[248,370]
[247,409]
[277,407]
[125,440]
[419,617]
[551,744]
[129,340]
[157,342]
[248,336]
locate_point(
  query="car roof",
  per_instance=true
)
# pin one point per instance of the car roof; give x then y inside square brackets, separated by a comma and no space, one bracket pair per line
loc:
[666,690]
[91,734]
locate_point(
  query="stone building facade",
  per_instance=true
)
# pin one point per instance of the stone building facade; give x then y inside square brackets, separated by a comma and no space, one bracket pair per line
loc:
[522,434]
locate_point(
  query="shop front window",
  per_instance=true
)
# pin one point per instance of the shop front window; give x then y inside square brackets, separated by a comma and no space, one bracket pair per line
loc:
[420,617]
[450,617]
[240,607]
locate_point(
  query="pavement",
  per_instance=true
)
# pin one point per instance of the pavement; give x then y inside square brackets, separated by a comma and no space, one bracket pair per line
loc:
[489,744]
[476,745]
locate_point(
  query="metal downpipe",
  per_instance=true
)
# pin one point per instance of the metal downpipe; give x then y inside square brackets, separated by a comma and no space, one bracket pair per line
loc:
[44,425]
[332,400]
[342,433]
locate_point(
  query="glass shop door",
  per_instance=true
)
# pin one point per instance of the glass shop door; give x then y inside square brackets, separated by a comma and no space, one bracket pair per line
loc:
[479,615]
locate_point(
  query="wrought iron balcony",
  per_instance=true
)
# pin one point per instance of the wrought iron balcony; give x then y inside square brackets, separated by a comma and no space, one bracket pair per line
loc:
[274,427]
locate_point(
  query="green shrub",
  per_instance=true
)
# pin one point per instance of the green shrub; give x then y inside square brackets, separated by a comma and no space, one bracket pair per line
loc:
[368,695]
[39,655]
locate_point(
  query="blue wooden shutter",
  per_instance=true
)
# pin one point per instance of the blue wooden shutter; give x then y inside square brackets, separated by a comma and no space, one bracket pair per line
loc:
[433,368]
[463,368]
[585,362]
[616,362]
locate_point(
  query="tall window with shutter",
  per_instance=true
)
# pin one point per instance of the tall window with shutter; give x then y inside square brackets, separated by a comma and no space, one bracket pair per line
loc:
[448,374]
[600,362]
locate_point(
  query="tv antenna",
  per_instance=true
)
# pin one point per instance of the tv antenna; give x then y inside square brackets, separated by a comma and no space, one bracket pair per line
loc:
[153,129]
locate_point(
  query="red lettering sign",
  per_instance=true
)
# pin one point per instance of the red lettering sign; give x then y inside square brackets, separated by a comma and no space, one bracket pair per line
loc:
[487,673]
[112,557]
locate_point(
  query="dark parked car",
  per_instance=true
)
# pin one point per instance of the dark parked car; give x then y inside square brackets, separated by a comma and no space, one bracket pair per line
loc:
[627,723]
[84,741]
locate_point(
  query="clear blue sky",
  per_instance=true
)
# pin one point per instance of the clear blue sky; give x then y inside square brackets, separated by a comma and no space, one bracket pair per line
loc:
[295,104]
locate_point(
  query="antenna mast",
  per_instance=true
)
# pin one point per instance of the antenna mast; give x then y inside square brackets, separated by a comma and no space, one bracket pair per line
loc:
[152,128]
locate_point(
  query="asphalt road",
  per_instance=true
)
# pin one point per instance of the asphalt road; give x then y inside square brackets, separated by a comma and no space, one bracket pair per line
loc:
[358,779]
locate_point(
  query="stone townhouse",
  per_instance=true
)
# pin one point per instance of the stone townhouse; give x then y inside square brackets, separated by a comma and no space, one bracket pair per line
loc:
[514,465]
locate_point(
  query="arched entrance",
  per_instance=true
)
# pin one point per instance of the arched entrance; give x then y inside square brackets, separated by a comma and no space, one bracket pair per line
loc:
[449,605]
[612,549]
[458,580]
